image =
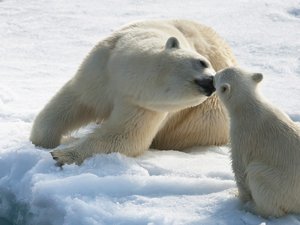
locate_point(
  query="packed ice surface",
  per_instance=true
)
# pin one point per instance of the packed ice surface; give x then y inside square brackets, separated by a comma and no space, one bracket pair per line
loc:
[43,43]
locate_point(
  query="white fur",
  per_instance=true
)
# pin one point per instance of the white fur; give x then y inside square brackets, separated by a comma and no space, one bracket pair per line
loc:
[139,82]
[265,145]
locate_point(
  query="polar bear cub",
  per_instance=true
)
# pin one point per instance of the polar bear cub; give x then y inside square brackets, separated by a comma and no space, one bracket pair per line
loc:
[265,145]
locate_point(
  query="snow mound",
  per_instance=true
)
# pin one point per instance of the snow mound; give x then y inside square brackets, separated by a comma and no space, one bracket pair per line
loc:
[160,187]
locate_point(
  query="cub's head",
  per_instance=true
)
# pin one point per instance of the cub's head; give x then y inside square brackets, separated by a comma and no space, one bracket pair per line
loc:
[235,86]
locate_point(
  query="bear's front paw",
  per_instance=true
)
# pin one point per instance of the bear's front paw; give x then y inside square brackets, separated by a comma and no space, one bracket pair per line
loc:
[66,157]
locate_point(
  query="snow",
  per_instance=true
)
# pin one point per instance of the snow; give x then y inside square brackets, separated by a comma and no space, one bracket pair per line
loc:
[42,44]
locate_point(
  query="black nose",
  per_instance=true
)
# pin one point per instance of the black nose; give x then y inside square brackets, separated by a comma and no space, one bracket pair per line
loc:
[206,84]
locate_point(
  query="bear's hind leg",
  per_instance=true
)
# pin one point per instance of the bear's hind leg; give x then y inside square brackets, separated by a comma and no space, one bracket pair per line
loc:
[62,114]
[269,189]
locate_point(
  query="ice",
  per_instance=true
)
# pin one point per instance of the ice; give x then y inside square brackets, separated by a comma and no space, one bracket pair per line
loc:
[43,43]
[295,12]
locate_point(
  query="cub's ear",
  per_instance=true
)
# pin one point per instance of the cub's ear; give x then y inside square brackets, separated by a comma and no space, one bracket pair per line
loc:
[225,88]
[172,42]
[257,77]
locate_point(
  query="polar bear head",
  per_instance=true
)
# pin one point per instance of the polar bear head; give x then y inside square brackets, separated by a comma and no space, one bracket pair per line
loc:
[168,79]
[235,86]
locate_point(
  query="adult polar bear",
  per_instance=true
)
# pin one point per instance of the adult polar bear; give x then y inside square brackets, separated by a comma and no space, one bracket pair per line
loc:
[148,83]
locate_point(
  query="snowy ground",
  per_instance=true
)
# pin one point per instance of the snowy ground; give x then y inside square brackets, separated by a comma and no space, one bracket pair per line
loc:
[42,44]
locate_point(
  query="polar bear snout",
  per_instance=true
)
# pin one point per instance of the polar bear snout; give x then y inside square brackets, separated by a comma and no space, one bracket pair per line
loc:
[206,85]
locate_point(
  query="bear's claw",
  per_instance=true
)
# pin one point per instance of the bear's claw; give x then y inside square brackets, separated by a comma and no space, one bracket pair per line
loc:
[63,157]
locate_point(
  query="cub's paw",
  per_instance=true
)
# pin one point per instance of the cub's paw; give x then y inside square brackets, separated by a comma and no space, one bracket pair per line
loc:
[63,157]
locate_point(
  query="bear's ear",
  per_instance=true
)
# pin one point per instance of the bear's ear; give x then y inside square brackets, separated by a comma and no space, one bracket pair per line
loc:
[225,88]
[257,77]
[172,42]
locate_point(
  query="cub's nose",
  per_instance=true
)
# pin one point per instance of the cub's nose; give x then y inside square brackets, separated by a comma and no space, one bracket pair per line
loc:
[206,85]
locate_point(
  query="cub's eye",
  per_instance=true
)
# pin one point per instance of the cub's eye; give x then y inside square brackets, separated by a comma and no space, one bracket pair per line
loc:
[203,63]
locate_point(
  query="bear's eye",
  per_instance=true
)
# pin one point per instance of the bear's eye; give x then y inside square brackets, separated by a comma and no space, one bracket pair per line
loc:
[203,63]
